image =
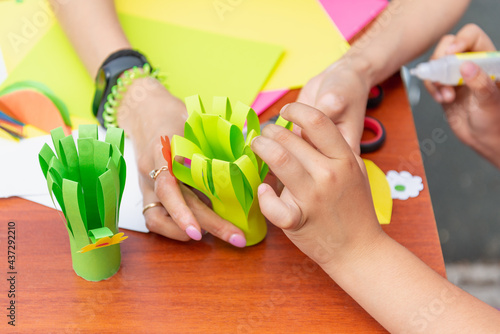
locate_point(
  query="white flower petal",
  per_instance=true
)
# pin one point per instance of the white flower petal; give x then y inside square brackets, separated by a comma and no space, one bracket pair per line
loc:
[412,184]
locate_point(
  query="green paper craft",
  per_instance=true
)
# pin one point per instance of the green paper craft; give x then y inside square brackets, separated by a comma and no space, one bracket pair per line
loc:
[88,184]
[223,166]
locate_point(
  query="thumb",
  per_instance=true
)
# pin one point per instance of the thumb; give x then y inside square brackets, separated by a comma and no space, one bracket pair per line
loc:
[481,85]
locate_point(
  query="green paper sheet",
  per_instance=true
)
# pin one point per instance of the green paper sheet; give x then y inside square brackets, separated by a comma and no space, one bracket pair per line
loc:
[193,62]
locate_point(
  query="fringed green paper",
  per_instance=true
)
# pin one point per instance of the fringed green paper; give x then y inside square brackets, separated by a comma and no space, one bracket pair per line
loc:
[223,166]
[87,180]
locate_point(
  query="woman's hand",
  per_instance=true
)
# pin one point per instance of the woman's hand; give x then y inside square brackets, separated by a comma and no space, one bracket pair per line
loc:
[326,207]
[147,112]
[472,110]
[341,93]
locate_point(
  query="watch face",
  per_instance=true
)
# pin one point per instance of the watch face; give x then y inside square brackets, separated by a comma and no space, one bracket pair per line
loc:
[100,85]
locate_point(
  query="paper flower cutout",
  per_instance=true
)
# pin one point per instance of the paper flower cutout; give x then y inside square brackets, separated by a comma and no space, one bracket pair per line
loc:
[223,166]
[167,153]
[88,184]
[104,242]
[404,185]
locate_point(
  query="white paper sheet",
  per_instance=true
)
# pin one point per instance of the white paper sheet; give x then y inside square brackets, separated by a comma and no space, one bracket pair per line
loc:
[21,175]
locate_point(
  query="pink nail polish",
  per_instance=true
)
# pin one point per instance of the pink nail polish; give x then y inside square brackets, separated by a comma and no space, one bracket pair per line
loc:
[193,233]
[237,240]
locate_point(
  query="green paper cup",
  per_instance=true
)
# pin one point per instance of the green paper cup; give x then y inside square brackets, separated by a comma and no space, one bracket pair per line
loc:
[98,264]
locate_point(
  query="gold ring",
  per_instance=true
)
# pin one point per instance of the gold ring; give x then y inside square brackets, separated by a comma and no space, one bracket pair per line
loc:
[151,205]
[155,172]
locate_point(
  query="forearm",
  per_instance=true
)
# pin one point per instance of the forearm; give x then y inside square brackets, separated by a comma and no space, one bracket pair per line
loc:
[402,32]
[406,296]
[93,28]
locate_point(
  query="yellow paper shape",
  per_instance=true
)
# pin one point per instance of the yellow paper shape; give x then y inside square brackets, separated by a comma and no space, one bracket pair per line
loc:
[22,25]
[76,121]
[31,131]
[7,136]
[104,242]
[381,192]
[310,39]
[193,61]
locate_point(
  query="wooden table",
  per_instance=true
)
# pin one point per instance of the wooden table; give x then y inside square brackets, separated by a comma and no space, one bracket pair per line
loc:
[209,286]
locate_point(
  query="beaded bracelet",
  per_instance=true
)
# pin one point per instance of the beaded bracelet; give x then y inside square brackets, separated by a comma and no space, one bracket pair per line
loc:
[118,91]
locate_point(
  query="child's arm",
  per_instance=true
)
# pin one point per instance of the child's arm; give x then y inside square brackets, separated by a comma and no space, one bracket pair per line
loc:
[327,211]
[403,31]
[472,110]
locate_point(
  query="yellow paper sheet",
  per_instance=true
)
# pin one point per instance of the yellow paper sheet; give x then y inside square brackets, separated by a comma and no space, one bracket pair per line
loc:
[194,62]
[5,135]
[381,192]
[310,40]
[22,25]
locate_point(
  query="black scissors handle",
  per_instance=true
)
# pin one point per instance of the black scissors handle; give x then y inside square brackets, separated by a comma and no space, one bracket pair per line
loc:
[373,125]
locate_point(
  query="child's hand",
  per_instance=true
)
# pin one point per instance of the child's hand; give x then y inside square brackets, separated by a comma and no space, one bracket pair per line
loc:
[472,110]
[340,92]
[326,207]
[469,39]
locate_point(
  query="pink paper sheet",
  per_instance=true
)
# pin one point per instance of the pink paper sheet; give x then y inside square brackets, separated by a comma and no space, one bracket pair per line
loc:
[351,16]
[266,99]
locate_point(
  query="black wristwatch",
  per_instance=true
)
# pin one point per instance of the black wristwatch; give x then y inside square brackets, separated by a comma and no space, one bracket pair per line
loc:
[108,74]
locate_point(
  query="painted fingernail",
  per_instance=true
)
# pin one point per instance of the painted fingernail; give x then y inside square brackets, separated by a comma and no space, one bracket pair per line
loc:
[193,233]
[469,70]
[237,240]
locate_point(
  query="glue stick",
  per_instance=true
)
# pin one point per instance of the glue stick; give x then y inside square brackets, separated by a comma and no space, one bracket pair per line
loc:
[446,70]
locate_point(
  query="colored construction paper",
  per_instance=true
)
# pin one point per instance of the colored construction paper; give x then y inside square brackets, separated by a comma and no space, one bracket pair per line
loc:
[21,131]
[32,103]
[104,241]
[3,68]
[205,63]
[4,134]
[404,185]
[381,192]
[85,181]
[310,40]
[7,118]
[21,27]
[265,99]
[223,166]
[167,153]
[351,16]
